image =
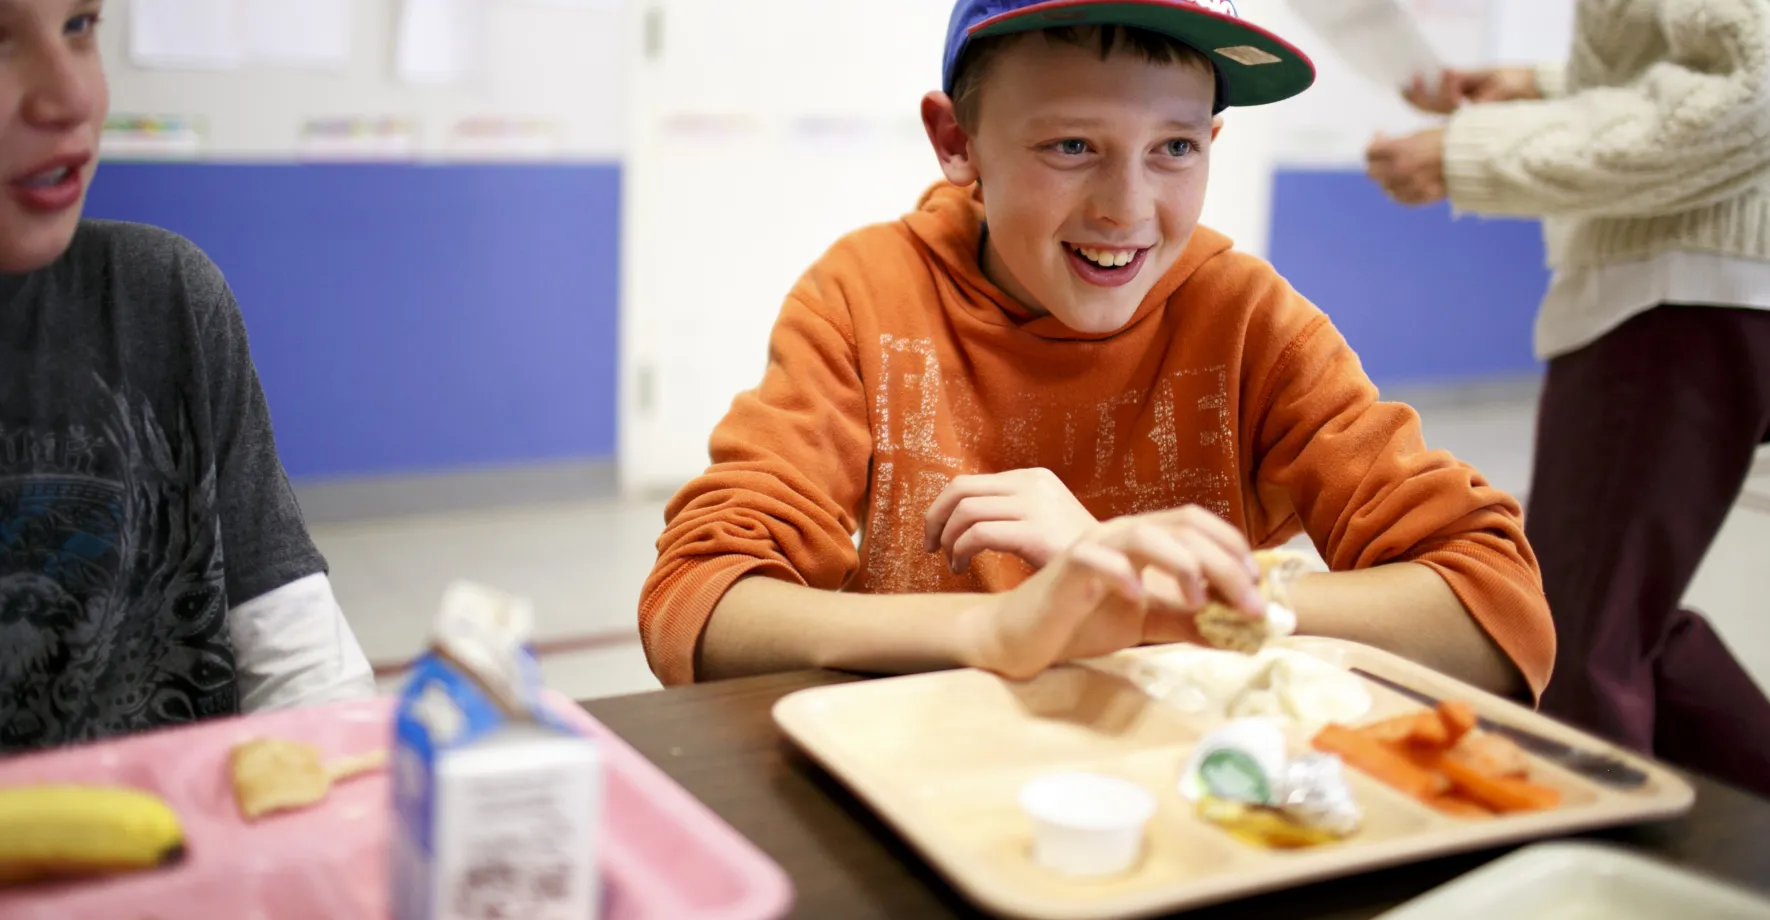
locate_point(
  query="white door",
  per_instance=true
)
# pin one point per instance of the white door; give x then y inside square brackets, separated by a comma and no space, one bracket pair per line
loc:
[760,132]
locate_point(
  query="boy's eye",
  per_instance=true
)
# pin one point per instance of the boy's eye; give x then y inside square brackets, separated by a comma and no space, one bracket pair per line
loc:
[1071,147]
[83,24]
[1179,148]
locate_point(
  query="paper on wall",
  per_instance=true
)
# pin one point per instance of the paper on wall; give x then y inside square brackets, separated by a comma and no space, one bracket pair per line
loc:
[570,4]
[299,33]
[1379,39]
[441,42]
[186,34]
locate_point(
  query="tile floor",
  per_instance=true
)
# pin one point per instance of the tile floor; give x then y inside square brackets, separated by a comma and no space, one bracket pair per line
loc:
[583,563]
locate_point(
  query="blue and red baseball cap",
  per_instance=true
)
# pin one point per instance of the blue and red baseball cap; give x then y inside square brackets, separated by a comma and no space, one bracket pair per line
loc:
[1254,66]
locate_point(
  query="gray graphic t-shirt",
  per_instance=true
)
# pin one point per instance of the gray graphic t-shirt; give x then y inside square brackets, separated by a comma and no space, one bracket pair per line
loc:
[140,490]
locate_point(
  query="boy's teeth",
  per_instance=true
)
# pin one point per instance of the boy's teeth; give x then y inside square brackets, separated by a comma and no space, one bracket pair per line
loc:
[1108,258]
[45,180]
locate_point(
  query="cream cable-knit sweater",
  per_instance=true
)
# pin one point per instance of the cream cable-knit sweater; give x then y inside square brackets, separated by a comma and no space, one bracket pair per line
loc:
[1654,137]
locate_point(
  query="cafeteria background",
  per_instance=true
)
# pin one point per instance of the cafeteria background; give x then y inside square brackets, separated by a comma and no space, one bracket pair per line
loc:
[505,262]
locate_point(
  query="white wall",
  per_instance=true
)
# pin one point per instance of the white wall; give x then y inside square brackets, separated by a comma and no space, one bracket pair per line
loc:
[564,65]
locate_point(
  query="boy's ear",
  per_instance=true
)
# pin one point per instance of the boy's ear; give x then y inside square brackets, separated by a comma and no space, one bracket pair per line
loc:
[951,144]
[1216,126]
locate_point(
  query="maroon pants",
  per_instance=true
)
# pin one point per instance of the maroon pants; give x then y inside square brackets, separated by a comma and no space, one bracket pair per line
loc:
[1644,440]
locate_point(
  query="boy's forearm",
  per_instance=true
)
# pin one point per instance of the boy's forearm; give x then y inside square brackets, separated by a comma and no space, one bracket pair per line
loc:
[764,625]
[1407,609]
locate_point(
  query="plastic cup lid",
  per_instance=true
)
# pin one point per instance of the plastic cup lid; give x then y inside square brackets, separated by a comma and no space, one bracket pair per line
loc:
[1087,801]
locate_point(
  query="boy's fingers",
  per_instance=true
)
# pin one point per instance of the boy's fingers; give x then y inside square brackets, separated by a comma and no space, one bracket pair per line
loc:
[1228,577]
[1090,559]
[970,512]
[1168,622]
[1165,592]
[1175,573]
[1152,546]
[1003,536]
[1219,531]
[934,520]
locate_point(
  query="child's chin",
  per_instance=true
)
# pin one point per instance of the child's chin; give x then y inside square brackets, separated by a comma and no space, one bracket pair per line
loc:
[1096,319]
[36,241]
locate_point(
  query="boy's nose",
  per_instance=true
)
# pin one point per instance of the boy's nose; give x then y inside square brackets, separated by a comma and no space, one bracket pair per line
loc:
[1120,197]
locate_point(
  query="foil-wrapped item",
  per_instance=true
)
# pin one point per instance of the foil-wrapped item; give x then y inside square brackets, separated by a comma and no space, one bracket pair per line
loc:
[1314,793]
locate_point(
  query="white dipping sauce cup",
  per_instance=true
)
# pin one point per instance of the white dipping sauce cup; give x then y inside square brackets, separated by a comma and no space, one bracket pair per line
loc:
[1087,824]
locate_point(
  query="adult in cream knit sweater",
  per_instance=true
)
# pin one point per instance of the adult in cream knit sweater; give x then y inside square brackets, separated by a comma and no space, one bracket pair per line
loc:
[1647,154]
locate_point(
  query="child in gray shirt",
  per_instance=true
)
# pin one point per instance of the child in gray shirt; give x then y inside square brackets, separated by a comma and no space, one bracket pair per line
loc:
[154,567]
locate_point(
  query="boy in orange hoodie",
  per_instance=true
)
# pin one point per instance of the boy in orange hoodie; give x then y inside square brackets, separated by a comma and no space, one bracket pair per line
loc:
[1060,413]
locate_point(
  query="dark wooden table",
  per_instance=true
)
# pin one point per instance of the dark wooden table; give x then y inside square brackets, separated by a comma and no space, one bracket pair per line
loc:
[719,741]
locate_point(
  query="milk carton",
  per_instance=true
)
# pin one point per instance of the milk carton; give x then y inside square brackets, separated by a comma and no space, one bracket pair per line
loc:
[497,803]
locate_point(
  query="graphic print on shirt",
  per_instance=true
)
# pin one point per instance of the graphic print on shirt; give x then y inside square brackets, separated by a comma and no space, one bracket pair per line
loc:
[112,597]
[1105,453]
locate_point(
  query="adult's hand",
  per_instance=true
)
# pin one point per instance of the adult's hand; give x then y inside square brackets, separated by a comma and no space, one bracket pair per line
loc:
[1458,87]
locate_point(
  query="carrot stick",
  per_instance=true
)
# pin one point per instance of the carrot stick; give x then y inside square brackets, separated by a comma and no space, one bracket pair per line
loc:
[1380,762]
[1458,718]
[1457,806]
[1430,731]
[1425,728]
[1492,755]
[1391,731]
[1502,794]
[1420,756]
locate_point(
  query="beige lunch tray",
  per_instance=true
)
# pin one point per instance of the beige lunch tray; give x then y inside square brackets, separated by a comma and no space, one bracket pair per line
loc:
[942,757]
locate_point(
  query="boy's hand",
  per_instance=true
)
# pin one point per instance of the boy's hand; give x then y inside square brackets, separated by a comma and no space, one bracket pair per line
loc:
[1410,169]
[1131,580]
[1456,87]
[1029,513]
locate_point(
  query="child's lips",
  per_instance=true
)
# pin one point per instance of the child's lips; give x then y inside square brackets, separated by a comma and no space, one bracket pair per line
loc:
[1099,275]
[1106,256]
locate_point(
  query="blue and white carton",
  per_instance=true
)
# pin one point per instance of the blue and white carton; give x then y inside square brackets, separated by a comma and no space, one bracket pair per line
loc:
[497,802]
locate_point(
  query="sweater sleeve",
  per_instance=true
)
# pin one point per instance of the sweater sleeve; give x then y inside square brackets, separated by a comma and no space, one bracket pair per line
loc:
[1357,475]
[1692,131]
[789,471]
[1551,79]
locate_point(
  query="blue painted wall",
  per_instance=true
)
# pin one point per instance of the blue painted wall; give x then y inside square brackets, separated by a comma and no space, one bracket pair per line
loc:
[410,318]
[1421,298]
[421,318]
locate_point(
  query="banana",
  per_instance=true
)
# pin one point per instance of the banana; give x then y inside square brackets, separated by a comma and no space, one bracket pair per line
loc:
[57,830]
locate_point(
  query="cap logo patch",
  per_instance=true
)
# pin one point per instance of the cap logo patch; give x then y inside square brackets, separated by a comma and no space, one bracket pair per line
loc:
[1248,55]
[1223,7]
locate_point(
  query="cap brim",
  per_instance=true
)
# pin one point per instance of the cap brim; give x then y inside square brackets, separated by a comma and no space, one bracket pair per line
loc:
[1256,66]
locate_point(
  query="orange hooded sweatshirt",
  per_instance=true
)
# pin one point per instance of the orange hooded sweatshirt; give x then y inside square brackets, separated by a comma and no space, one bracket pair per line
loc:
[895,365]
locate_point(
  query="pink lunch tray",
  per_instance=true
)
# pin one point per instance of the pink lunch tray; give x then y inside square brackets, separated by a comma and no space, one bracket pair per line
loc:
[665,855]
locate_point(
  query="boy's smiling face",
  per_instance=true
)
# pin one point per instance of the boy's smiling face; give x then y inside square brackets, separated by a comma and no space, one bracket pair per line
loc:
[1093,172]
